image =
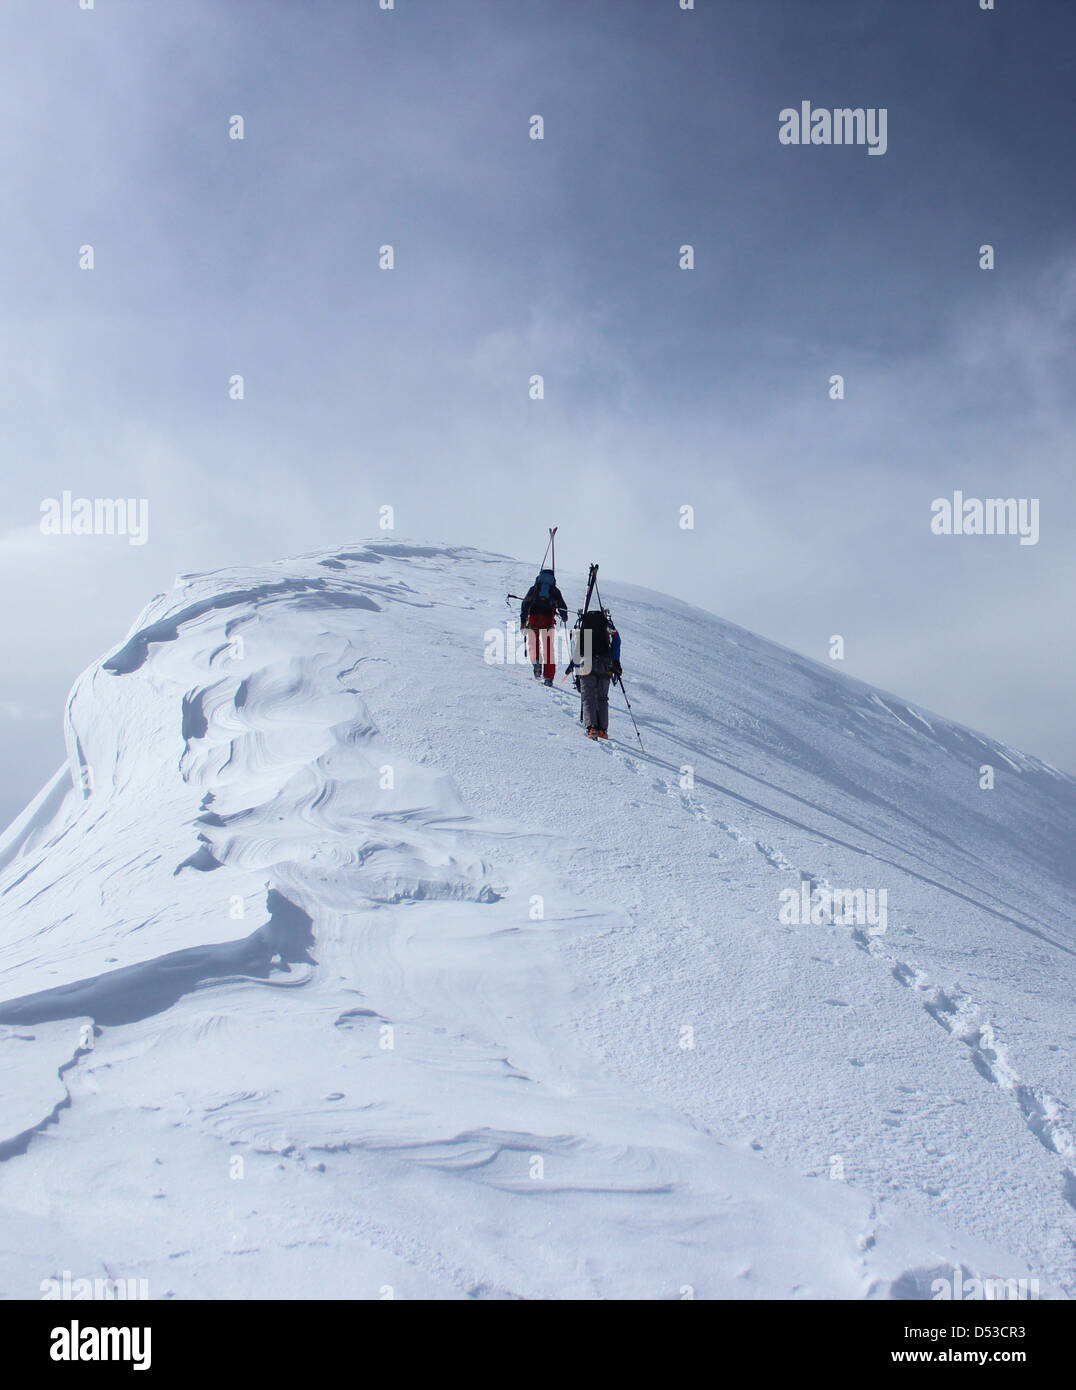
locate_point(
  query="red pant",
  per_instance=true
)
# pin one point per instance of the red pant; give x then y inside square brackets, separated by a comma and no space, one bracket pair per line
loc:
[540,634]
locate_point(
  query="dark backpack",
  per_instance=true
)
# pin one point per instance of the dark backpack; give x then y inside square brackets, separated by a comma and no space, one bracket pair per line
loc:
[598,644]
[541,594]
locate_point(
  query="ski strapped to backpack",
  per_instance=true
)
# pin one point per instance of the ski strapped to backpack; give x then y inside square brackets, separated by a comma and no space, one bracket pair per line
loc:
[551,546]
[547,591]
[592,584]
[592,581]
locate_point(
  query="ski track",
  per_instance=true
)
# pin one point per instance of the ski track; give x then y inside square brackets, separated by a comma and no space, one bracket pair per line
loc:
[1047,1118]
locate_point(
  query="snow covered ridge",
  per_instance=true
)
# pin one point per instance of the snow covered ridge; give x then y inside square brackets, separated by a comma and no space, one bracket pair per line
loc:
[336,962]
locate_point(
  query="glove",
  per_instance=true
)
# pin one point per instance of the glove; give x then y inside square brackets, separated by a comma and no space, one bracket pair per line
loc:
[618,670]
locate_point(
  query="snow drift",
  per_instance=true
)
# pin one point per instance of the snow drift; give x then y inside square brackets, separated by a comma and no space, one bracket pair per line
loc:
[336,962]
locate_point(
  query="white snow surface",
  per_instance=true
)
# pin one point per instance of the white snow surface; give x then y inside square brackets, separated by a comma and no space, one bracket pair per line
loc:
[337,962]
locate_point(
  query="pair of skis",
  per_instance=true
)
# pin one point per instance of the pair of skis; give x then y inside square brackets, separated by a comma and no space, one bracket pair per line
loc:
[551,544]
[592,584]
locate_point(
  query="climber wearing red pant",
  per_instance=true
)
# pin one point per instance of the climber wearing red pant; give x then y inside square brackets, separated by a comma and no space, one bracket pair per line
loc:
[538,614]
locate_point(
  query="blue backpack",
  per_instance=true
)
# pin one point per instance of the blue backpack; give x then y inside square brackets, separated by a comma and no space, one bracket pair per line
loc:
[544,588]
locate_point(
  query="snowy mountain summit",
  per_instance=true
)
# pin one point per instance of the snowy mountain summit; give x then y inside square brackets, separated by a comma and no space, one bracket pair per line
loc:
[336,961]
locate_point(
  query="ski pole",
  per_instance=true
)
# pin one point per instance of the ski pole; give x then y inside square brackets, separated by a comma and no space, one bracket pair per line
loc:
[638,735]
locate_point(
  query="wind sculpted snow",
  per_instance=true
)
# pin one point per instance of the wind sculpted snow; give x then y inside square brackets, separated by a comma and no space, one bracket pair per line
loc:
[335,961]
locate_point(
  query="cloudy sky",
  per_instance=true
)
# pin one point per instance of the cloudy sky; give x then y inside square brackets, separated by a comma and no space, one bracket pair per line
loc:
[665,387]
